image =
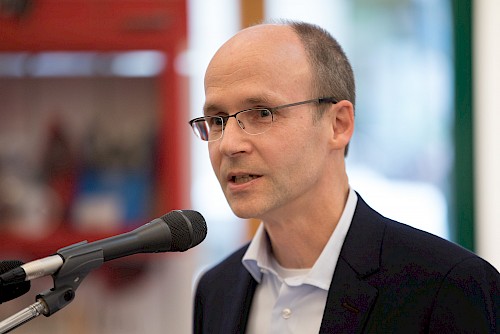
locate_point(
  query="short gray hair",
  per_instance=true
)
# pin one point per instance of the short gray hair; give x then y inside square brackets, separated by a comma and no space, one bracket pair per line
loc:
[332,72]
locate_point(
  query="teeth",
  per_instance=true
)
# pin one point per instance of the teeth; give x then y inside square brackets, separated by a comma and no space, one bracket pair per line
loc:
[243,178]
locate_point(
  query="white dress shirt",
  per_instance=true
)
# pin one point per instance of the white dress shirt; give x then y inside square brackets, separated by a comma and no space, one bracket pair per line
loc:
[293,300]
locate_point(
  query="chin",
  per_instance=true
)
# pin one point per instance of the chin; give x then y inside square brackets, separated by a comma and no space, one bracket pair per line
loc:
[248,206]
[244,211]
[243,214]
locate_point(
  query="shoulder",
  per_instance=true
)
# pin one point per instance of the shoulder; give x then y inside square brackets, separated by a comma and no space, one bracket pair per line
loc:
[223,296]
[403,243]
[229,269]
[463,287]
[398,243]
[447,283]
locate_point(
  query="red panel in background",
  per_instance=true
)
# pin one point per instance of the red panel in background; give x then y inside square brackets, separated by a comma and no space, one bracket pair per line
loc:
[94,25]
[113,25]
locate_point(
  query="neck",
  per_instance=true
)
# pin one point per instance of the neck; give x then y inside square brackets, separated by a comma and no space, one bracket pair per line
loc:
[298,238]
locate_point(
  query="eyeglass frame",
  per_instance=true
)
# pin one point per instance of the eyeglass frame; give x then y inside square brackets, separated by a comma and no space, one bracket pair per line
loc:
[271,110]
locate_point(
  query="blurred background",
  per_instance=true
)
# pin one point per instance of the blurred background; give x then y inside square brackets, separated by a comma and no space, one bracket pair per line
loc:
[95,96]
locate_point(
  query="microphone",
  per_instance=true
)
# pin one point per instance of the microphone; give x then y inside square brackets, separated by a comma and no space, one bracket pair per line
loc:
[176,231]
[14,290]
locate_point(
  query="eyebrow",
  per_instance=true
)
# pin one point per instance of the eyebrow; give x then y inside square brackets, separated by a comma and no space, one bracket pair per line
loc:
[211,109]
[257,100]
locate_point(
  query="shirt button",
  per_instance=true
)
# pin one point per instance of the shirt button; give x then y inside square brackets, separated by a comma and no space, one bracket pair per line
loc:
[286,313]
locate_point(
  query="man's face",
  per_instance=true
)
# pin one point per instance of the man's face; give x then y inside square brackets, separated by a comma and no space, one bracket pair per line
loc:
[278,172]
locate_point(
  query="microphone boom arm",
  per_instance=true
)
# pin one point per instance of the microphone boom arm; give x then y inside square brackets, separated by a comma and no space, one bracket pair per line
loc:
[78,263]
[82,257]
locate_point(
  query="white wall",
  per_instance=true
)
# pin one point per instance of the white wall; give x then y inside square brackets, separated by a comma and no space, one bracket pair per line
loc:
[487,128]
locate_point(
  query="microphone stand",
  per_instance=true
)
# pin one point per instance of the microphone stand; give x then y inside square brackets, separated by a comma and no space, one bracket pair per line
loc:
[22,317]
[76,267]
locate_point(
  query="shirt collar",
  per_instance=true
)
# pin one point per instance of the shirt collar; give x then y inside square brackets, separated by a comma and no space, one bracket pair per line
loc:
[257,258]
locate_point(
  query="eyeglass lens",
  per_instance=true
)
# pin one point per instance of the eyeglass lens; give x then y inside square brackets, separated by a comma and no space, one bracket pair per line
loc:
[252,121]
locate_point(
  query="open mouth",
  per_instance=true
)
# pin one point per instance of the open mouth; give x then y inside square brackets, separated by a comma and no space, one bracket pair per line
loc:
[239,179]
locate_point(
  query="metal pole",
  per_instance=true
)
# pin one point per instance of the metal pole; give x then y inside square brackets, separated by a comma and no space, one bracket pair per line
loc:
[22,317]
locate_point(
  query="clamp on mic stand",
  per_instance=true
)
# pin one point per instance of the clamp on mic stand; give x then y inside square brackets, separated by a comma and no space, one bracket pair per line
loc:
[76,267]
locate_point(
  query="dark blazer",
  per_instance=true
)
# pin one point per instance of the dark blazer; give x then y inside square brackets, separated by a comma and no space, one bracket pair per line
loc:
[390,278]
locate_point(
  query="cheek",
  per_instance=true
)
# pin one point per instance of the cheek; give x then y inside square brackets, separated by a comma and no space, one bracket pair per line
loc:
[214,155]
[303,154]
[285,155]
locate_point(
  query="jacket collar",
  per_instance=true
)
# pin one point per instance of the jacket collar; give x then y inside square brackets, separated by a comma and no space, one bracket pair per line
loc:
[350,297]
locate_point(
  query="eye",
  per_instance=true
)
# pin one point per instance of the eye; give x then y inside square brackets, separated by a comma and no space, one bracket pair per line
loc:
[263,113]
[260,115]
[215,121]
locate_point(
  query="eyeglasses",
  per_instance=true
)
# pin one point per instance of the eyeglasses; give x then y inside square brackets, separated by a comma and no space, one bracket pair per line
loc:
[254,121]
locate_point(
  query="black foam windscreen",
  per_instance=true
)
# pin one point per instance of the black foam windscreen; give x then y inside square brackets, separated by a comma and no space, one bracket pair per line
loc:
[188,229]
[14,290]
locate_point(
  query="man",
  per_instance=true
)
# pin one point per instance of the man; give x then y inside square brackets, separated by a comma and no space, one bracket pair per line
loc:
[278,118]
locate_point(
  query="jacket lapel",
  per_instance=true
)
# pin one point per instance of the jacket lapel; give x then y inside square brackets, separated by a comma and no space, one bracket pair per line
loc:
[350,297]
[235,317]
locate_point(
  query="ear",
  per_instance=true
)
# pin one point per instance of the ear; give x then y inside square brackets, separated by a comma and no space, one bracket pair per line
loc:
[342,122]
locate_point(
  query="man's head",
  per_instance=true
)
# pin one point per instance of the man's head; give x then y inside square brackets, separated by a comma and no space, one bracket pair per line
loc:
[299,159]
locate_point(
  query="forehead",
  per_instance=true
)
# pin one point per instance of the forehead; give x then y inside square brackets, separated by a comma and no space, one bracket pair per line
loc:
[258,63]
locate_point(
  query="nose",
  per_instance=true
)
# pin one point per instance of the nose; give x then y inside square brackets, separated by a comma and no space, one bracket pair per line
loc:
[238,121]
[232,141]
[229,127]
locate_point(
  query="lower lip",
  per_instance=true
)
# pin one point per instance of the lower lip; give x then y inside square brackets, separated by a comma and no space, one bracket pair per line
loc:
[235,187]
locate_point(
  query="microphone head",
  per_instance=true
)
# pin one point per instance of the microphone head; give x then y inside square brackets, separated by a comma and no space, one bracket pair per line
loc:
[13,290]
[188,229]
